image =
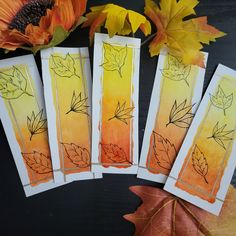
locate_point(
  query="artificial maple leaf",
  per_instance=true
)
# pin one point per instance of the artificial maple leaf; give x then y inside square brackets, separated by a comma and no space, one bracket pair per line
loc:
[117,20]
[163,214]
[183,38]
[221,101]
[220,135]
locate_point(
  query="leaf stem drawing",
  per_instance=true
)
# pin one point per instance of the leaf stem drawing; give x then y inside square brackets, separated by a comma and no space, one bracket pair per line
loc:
[36,124]
[220,135]
[181,115]
[78,105]
[64,67]
[176,70]
[164,151]
[13,85]
[114,58]
[199,163]
[115,153]
[221,100]
[122,113]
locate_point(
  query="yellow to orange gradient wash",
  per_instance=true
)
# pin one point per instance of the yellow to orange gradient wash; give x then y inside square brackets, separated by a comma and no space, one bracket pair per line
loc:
[174,115]
[28,119]
[205,163]
[116,123]
[71,101]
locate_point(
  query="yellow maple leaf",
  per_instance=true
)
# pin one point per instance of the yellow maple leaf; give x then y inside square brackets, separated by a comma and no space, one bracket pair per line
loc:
[183,38]
[116,19]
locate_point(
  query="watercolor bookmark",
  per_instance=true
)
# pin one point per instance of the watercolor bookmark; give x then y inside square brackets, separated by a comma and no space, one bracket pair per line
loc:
[67,89]
[115,104]
[177,92]
[205,165]
[22,112]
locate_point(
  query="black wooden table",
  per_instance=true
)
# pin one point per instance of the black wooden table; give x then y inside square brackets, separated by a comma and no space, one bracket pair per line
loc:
[96,207]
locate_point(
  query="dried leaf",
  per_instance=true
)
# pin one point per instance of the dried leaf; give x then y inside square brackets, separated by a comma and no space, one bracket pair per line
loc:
[36,124]
[64,67]
[38,162]
[162,214]
[79,156]
[122,114]
[181,115]
[117,20]
[221,101]
[176,70]
[115,153]
[220,135]
[114,58]
[164,150]
[78,105]
[13,85]
[183,38]
[199,163]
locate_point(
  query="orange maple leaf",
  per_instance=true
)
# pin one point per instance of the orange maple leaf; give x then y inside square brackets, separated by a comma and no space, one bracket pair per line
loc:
[183,38]
[163,214]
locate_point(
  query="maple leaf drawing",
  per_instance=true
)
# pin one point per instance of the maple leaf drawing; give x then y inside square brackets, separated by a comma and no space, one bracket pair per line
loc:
[221,101]
[78,104]
[114,58]
[163,214]
[220,135]
[164,151]
[38,162]
[199,162]
[78,155]
[64,67]
[181,115]
[176,70]
[122,113]
[13,85]
[36,124]
[115,153]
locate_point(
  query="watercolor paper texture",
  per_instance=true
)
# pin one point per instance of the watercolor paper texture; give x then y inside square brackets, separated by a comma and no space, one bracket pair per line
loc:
[23,116]
[176,95]
[205,165]
[67,87]
[115,104]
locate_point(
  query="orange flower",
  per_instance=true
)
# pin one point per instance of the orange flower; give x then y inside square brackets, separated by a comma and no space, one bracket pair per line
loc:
[37,24]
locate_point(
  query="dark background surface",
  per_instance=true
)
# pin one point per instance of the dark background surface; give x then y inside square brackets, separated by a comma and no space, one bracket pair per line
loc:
[96,207]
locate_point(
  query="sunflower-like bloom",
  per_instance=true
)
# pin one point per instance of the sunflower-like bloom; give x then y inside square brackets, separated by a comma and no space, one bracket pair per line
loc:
[37,24]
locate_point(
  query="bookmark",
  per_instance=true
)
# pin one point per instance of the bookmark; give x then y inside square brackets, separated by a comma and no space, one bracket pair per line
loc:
[205,165]
[67,88]
[176,95]
[115,104]
[23,116]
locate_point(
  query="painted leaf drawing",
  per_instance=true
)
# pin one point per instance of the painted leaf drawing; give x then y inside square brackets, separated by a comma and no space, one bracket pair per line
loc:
[220,135]
[183,35]
[114,59]
[122,113]
[36,124]
[78,155]
[163,214]
[221,100]
[79,104]
[115,153]
[176,70]
[199,163]
[38,162]
[181,115]
[13,85]
[164,151]
[64,67]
